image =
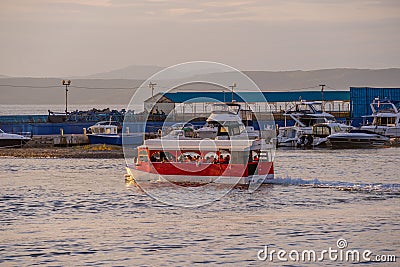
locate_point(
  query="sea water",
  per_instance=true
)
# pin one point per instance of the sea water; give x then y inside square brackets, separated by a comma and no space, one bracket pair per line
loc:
[80,212]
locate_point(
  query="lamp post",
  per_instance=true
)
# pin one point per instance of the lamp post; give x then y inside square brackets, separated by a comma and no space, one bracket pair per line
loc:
[151,86]
[322,96]
[66,83]
[232,86]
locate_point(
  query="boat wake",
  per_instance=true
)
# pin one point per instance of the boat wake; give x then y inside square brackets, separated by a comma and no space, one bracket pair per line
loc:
[339,185]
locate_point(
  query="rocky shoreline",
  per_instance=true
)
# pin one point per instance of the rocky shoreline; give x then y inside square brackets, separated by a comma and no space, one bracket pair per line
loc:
[89,151]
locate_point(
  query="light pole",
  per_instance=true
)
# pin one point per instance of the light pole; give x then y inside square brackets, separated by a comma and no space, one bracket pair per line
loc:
[322,96]
[151,86]
[232,86]
[66,83]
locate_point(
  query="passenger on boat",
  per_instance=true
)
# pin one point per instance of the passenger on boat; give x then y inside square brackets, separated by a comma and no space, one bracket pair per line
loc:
[227,159]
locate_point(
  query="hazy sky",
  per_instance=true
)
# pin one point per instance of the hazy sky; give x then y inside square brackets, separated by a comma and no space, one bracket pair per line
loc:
[80,37]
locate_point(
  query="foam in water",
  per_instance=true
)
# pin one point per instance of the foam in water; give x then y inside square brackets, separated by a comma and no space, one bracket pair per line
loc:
[346,186]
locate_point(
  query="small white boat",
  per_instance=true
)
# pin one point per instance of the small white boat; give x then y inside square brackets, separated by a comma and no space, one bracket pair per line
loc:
[12,140]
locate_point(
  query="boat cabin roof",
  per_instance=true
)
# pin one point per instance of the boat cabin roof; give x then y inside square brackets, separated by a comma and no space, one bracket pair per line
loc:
[198,144]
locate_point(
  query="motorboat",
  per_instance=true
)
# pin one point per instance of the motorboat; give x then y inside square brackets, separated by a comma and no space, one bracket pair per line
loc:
[320,133]
[12,140]
[228,120]
[104,132]
[306,114]
[385,125]
[108,132]
[386,118]
[358,138]
[178,130]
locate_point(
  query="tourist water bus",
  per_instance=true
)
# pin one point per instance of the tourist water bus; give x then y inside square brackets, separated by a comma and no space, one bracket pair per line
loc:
[229,157]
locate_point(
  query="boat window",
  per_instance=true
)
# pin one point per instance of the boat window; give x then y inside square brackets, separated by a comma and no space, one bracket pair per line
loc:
[223,131]
[385,121]
[337,129]
[224,157]
[264,156]
[255,156]
[235,130]
[210,157]
[321,131]
[143,156]
[189,157]
[242,128]
[162,156]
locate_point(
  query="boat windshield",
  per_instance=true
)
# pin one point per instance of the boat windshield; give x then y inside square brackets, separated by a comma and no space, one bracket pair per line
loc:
[1,131]
[310,121]
[386,107]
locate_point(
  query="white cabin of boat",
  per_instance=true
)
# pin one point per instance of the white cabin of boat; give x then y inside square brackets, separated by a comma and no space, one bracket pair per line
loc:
[104,127]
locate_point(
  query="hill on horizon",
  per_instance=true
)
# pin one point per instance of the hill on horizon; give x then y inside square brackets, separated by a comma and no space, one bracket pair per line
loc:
[117,90]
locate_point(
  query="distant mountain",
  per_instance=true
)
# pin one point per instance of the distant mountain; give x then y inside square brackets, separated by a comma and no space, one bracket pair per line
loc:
[339,79]
[117,91]
[131,72]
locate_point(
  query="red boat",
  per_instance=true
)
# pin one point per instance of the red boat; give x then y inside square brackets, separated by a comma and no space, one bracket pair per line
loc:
[230,155]
[202,161]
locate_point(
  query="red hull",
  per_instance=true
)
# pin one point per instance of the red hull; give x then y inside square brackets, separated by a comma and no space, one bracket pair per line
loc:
[206,169]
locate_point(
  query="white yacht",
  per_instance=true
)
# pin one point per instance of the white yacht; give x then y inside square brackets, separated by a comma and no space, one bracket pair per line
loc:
[12,140]
[386,118]
[358,139]
[228,120]
[320,133]
[306,115]
[385,125]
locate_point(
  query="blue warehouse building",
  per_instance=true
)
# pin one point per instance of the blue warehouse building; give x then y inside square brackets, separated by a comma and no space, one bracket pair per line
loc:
[254,97]
[350,105]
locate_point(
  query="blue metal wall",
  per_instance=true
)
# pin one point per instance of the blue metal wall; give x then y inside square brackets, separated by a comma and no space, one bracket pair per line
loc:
[181,97]
[362,97]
